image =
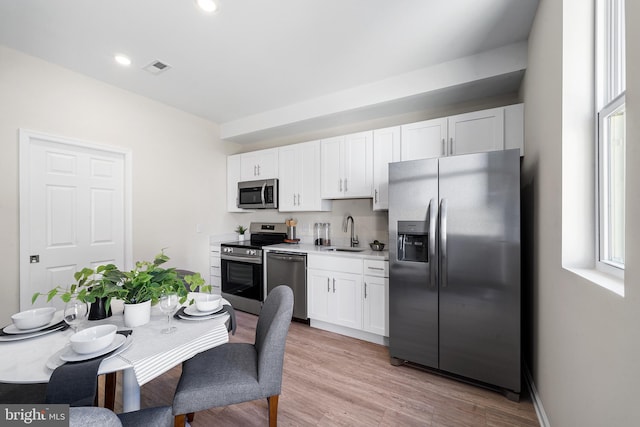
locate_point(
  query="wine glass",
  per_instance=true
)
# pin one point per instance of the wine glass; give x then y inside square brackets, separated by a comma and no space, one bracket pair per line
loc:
[168,304]
[75,312]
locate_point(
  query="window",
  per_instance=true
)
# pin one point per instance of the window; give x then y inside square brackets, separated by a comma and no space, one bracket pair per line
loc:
[611,83]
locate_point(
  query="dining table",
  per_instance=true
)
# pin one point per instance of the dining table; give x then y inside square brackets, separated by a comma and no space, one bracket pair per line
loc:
[149,354]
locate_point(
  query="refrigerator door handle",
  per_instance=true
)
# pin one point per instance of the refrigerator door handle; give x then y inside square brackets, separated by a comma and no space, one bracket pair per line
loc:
[443,243]
[432,243]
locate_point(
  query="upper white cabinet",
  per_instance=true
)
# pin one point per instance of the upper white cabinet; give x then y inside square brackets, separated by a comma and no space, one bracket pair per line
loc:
[347,166]
[262,164]
[424,140]
[386,149]
[479,131]
[476,132]
[299,168]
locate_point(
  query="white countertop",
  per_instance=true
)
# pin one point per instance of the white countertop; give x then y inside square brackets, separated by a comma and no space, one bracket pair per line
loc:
[322,250]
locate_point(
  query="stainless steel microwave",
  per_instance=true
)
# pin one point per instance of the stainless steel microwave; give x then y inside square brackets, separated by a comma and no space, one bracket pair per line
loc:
[261,194]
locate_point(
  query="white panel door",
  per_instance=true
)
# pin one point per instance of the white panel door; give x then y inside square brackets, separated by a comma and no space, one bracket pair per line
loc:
[358,164]
[347,299]
[318,294]
[386,149]
[477,131]
[424,140]
[74,212]
[375,305]
[331,175]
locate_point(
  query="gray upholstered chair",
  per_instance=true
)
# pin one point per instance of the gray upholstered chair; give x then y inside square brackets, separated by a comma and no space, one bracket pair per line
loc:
[239,372]
[83,416]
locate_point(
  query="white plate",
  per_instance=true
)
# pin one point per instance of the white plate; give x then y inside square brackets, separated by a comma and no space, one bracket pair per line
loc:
[210,316]
[11,329]
[54,360]
[193,311]
[18,337]
[72,356]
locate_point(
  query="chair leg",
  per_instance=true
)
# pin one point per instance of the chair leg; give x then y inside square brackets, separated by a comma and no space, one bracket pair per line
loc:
[179,420]
[273,410]
[110,390]
[191,416]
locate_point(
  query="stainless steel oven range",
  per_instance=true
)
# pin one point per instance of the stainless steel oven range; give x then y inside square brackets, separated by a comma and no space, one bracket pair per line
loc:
[242,266]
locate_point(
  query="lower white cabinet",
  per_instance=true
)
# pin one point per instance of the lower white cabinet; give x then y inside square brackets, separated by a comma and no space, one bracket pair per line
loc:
[215,273]
[350,293]
[335,297]
[374,305]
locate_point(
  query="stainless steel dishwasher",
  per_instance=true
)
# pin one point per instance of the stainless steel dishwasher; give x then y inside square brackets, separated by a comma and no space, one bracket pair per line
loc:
[289,269]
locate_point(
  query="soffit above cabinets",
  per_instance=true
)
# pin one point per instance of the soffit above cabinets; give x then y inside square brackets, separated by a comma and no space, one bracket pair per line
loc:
[271,68]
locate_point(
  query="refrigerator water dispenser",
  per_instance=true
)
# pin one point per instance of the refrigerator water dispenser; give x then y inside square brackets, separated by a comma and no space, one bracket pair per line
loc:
[413,241]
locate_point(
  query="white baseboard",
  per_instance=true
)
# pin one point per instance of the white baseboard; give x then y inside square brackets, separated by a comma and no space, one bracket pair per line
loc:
[353,333]
[537,402]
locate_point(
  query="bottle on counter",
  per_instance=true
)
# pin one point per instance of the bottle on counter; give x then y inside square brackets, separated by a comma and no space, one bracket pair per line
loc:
[326,234]
[317,234]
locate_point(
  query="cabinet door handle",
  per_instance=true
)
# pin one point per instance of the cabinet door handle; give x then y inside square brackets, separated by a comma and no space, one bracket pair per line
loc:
[294,199]
[375,195]
[298,199]
[254,170]
[341,185]
[444,147]
[258,170]
[345,185]
[334,285]
[365,290]
[328,285]
[451,146]
[376,268]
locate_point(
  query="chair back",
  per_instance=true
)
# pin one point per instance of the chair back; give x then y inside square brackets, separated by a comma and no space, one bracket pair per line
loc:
[271,336]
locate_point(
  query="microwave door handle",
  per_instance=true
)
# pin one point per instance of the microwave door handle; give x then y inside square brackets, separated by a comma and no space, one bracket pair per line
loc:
[432,244]
[262,194]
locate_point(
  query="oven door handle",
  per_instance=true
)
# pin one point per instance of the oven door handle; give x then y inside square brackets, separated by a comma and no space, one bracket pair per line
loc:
[241,259]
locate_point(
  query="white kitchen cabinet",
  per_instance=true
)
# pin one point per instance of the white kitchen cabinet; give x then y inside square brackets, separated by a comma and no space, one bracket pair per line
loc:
[299,166]
[375,305]
[261,164]
[347,166]
[233,177]
[215,272]
[475,132]
[375,297]
[478,131]
[386,149]
[334,290]
[423,140]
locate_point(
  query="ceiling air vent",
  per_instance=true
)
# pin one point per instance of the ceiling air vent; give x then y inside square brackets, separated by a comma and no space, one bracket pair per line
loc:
[157,67]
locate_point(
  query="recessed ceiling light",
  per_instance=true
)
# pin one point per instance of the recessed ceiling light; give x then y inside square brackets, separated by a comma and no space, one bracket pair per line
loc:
[123,60]
[208,6]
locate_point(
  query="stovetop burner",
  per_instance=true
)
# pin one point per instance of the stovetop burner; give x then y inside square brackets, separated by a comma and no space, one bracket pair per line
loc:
[262,234]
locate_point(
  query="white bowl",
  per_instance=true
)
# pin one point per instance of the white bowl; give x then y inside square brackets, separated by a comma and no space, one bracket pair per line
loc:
[207,302]
[93,339]
[33,318]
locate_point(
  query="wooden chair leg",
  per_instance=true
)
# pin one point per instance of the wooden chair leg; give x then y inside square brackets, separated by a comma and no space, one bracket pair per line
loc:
[110,390]
[179,420]
[273,410]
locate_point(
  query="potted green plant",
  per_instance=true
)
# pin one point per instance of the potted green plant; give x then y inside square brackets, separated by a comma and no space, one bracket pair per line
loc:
[240,230]
[96,287]
[144,285]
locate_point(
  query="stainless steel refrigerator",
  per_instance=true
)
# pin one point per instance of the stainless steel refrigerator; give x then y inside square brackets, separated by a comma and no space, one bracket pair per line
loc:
[454,255]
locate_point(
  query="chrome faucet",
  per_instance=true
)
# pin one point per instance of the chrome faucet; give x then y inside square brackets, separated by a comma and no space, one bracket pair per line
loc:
[345,226]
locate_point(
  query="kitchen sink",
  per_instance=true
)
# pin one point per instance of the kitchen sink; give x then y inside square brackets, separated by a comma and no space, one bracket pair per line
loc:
[345,249]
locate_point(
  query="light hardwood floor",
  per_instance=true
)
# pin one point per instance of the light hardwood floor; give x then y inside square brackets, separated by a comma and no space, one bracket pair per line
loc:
[332,380]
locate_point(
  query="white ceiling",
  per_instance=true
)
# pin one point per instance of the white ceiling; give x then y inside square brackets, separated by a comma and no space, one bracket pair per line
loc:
[250,64]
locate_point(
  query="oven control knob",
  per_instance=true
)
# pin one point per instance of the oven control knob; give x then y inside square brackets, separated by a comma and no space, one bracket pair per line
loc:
[228,250]
[252,251]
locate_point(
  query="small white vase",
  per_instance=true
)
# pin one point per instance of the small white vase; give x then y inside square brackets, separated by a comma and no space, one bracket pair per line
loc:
[240,237]
[137,314]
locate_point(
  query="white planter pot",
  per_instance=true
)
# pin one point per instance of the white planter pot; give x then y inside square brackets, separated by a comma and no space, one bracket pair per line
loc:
[137,314]
[240,237]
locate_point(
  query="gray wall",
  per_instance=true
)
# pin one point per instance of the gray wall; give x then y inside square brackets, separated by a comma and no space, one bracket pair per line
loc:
[585,339]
